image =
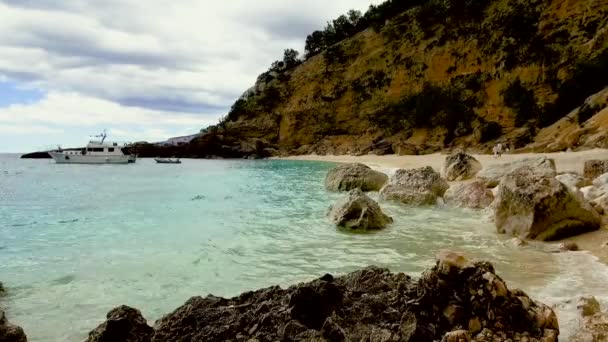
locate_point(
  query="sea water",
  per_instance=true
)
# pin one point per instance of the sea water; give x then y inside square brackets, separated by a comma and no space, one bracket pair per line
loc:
[78,240]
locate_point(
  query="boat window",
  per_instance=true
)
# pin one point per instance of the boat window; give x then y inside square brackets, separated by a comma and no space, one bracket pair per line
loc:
[111,149]
[115,144]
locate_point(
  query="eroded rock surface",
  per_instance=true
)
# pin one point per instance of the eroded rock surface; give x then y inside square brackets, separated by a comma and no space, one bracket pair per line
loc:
[533,206]
[460,166]
[595,168]
[358,211]
[10,332]
[472,195]
[457,299]
[123,324]
[419,186]
[492,174]
[354,176]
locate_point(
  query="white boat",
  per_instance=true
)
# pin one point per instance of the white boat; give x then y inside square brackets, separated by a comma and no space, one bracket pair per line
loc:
[96,152]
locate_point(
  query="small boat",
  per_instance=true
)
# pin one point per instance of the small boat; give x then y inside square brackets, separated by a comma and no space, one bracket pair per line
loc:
[167,161]
[96,152]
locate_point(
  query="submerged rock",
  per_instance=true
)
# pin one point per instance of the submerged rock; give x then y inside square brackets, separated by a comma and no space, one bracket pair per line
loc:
[534,206]
[354,176]
[123,324]
[10,332]
[419,186]
[457,299]
[472,195]
[595,168]
[594,323]
[460,166]
[492,174]
[358,211]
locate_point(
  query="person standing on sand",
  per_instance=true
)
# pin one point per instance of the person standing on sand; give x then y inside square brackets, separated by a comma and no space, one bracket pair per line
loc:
[497,150]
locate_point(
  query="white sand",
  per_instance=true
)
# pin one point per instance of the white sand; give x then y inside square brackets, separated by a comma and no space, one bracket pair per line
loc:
[564,162]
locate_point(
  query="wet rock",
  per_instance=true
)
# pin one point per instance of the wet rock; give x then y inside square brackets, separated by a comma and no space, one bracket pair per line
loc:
[533,206]
[10,332]
[358,211]
[460,166]
[2,290]
[492,174]
[472,195]
[601,204]
[517,242]
[371,304]
[595,168]
[594,324]
[419,186]
[568,246]
[571,180]
[123,324]
[354,176]
[588,306]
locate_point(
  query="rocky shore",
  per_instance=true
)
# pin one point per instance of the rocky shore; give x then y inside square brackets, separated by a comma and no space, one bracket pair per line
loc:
[456,300]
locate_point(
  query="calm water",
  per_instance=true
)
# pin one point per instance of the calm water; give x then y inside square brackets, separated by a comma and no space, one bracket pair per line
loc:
[78,240]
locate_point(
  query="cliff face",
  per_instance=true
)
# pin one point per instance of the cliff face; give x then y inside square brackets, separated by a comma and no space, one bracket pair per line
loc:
[442,74]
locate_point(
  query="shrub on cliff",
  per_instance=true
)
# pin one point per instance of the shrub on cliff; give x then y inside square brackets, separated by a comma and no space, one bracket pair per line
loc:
[522,101]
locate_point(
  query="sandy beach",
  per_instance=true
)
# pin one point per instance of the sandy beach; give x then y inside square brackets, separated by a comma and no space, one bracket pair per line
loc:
[564,161]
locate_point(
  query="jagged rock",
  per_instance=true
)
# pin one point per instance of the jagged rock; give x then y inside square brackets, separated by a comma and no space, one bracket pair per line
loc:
[571,180]
[2,290]
[595,168]
[568,246]
[594,324]
[10,332]
[588,306]
[405,149]
[358,211]
[472,195]
[123,324]
[419,186]
[352,176]
[372,304]
[533,206]
[601,180]
[592,192]
[460,166]
[492,174]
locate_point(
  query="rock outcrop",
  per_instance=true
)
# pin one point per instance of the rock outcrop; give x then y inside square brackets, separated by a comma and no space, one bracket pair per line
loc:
[532,206]
[420,186]
[358,211]
[595,168]
[571,180]
[123,324]
[354,176]
[594,323]
[492,174]
[460,166]
[472,195]
[455,299]
[10,332]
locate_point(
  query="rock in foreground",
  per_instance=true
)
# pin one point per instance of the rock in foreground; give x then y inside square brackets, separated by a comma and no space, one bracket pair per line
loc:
[595,168]
[455,300]
[123,324]
[472,195]
[357,211]
[419,186]
[10,332]
[492,174]
[460,166]
[594,322]
[532,206]
[354,176]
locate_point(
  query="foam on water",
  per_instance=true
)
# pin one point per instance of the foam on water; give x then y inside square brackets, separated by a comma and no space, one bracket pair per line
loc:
[77,241]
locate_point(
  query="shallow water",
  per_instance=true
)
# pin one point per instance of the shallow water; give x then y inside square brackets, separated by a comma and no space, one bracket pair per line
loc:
[78,240]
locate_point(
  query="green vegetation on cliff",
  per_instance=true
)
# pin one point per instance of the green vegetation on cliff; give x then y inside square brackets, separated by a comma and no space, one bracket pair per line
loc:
[432,74]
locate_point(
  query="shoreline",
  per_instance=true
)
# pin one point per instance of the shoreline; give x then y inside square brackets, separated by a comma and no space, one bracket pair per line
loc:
[591,242]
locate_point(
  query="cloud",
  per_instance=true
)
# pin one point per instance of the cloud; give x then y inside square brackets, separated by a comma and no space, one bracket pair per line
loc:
[152,68]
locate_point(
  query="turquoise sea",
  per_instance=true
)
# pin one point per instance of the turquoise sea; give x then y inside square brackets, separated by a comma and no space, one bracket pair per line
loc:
[78,240]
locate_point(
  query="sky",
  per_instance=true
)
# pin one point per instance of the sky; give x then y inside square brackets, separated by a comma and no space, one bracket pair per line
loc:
[143,70]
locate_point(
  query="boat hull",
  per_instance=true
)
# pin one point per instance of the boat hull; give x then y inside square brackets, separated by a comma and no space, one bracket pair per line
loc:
[62,158]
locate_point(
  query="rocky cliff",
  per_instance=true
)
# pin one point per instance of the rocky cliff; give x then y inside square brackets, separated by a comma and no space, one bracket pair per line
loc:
[429,75]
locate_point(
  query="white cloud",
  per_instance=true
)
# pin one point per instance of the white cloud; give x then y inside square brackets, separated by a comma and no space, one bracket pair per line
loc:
[145,69]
